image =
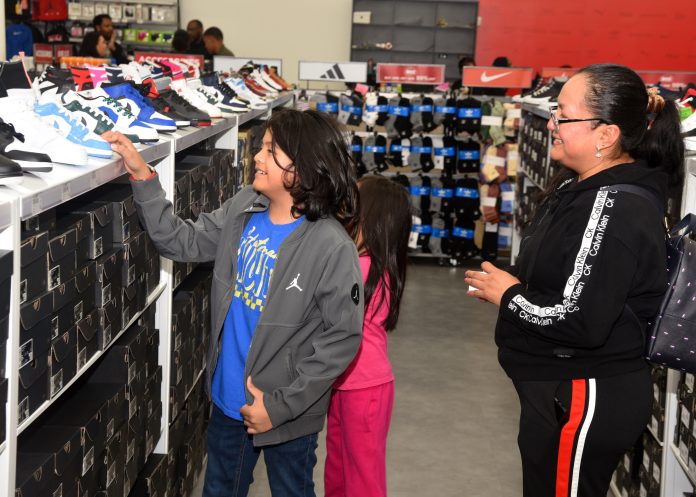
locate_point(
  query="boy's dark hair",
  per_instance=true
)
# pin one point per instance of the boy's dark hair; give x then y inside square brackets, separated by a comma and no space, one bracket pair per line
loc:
[180,42]
[196,22]
[382,230]
[97,21]
[324,183]
[214,32]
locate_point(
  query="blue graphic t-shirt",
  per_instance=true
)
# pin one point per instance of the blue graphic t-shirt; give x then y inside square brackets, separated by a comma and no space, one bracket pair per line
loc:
[256,258]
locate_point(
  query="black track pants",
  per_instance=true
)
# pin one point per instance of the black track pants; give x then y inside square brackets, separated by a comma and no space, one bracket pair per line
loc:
[573,432]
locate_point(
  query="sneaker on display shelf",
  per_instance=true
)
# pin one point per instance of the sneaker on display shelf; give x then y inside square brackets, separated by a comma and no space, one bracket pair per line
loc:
[11,173]
[73,130]
[181,106]
[280,83]
[546,94]
[139,106]
[239,87]
[273,72]
[31,135]
[82,78]
[98,75]
[14,146]
[152,94]
[54,81]
[195,98]
[115,74]
[266,82]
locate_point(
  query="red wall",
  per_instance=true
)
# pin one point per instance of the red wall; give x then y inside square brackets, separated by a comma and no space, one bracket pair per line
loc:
[547,33]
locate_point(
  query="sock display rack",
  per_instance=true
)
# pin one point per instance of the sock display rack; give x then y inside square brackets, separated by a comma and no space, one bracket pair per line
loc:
[663,462]
[103,342]
[456,155]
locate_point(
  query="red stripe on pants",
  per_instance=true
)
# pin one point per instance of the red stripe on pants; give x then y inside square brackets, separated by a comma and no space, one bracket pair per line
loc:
[567,442]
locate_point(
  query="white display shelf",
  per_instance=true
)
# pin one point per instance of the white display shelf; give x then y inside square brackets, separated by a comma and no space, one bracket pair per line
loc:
[46,405]
[282,99]
[5,215]
[657,439]
[684,465]
[189,137]
[251,115]
[42,191]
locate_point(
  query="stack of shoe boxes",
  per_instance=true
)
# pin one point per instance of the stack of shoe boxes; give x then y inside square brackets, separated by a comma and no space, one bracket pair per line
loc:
[5,290]
[657,419]
[684,434]
[651,468]
[534,146]
[96,439]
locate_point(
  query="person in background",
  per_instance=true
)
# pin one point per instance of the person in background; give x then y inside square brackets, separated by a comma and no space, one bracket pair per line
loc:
[464,61]
[196,45]
[94,45]
[214,42]
[180,41]
[589,276]
[362,399]
[287,297]
[105,27]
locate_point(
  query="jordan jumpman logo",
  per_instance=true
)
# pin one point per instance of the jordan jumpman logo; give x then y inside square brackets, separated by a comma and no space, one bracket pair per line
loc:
[294,283]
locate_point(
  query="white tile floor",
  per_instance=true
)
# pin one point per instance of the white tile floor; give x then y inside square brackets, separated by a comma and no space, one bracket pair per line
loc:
[454,425]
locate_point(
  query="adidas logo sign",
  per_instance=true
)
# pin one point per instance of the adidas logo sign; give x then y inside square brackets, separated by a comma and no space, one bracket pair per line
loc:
[333,73]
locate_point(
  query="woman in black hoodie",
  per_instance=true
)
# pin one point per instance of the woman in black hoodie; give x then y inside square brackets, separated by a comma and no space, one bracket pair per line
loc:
[590,273]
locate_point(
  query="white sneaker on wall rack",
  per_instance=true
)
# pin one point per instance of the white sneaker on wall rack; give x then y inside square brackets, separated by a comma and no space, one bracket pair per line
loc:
[237,84]
[195,98]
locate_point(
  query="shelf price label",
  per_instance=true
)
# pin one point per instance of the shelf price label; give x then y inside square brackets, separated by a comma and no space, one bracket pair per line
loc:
[412,74]
[188,59]
[497,77]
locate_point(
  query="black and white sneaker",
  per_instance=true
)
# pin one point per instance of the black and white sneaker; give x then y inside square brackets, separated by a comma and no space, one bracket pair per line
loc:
[10,172]
[13,148]
[545,95]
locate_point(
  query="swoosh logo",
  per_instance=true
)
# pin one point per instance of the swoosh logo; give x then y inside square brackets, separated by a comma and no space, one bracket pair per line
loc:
[487,79]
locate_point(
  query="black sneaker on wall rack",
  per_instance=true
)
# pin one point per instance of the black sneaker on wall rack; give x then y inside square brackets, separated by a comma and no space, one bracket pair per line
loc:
[546,95]
[14,148]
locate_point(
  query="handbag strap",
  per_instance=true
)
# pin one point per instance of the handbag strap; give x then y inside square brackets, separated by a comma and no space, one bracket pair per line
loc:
[647,194]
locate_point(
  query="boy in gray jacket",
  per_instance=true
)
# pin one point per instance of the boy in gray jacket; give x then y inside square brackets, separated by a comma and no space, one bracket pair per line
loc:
[286,297]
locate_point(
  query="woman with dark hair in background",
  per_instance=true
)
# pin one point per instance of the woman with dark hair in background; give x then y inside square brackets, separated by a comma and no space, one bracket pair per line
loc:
[94,45]
[180,41]
[589,275]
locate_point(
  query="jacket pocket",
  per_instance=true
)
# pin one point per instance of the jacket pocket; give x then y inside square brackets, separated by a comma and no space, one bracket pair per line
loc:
[290,365]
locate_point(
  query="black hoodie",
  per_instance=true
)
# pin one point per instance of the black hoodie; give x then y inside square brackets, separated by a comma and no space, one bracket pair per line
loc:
[592,267]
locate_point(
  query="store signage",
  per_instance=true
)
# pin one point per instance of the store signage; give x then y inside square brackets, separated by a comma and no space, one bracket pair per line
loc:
[225,63]
[672,80]
[497,77]
[558,72]
[43,53]
[412,74]
[348,72]
[62,50]
[188,59]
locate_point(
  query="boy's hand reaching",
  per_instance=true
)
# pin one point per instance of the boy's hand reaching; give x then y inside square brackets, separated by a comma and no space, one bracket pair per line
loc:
[255,416]
[131,157]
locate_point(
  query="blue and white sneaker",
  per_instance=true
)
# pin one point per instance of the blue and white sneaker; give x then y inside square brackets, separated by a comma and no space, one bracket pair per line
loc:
[140,107]
[73,130]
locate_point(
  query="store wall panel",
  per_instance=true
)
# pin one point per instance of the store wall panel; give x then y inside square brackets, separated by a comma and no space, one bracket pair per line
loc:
[538,33]
[297,30]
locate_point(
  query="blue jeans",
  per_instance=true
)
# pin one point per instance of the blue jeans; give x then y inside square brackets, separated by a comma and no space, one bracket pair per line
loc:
[232,458]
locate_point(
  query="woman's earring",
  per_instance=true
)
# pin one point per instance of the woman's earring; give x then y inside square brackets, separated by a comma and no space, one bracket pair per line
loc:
[599,153]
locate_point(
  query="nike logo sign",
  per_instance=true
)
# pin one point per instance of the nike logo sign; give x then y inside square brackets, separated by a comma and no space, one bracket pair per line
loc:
[487,79]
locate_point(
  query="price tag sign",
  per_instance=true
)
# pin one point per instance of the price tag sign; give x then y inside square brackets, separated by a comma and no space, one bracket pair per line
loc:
[497,77]
[412,74]
[43,53]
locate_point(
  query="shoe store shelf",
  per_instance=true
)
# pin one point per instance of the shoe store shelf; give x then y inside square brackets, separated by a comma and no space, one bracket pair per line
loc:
[191,136]
[27,422]
[250,116]
[42,191]
[282,100]
[535,109]
[527,174]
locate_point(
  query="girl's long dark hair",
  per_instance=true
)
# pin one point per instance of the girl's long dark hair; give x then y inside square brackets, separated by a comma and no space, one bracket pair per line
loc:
[324,183]
[382,230]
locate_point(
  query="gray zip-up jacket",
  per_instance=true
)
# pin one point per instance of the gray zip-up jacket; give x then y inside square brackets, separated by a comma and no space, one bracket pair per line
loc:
[304,338]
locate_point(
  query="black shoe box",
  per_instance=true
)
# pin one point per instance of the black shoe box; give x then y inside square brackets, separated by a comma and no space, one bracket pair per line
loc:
[6,262]
[177,396]
[132,301]
[33,247]
[113,460]
[135,440]
[135,393]
[63,444]
[120,199]
[33,280]
[181,270]
[100,232]
[150,249]
[134,258]
[80,223]
[185,212]
[153,393]
[181,321]
[87,483]
[180,359]
[64,318]
[211,188]
[61,270]
[130,475]
[121,363]
[87,338]
[44,221]
[107,401]
[151,351]
[109,280]
[196,209]
[36,330]
[62,361]
[33,391]
[182,190]
[85,281]
[152,274]
[194,168]
[64,294]
[35,476]
[109,321]
[153,429]
[3,357]
[147,318]
[4,384]
[177,430]
[152,480]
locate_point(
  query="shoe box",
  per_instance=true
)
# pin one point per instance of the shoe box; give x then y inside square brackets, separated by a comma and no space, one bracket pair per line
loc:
[194,169]
[657,418]
[44,221]
[134,258]
[196,289]
[62,446]
[4,384]
[62,361]
[181,271]
[124,358]
[119,198]
[110,480]
[85,299]
[182,192]
[101,221]
[6,264]
[177,432]
[33,279]
[87,338]
[35,475]
[152,266]
[109,276]
[153,478]
[109,321]
[35,345]
[80,223]
[650,470]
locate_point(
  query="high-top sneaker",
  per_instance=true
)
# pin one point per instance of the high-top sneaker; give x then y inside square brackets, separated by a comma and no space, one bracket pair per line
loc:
[82,78]
[547,94]
[226,94]
[178,104]
[98,75]
[123,120]
[271,88]
[14,146]
[171,70]
[10,172]
[54,80]
[195,98]
[140,106]
[149,90]
[273,72]
[239,86]
[114,74]
[73,130]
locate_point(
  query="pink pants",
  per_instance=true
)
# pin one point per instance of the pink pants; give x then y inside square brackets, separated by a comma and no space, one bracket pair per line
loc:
[356,442]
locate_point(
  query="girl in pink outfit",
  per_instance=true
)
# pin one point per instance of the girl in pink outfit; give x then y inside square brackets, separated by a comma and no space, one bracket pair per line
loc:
[362,399]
